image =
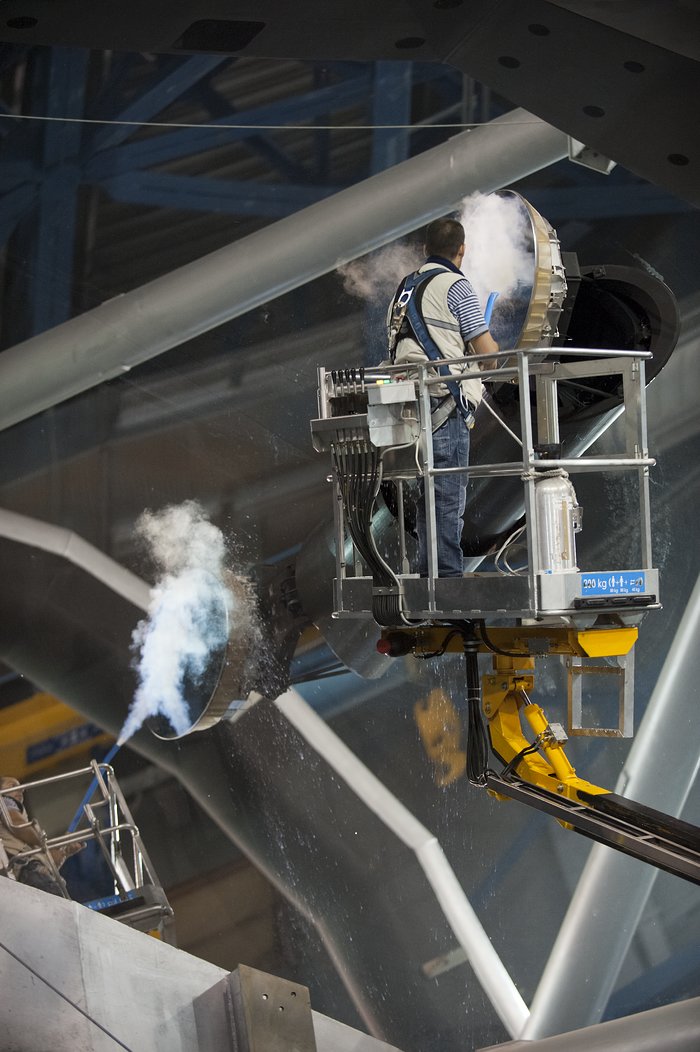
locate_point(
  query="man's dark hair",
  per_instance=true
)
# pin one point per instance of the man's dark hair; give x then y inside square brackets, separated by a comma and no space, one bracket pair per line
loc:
[444,237]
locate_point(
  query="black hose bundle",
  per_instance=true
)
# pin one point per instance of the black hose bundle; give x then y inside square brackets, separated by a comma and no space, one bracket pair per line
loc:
[358,468]
[511,769]
[477,739]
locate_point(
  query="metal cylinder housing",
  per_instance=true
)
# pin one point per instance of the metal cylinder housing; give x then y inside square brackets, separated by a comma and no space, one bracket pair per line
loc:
[557,514]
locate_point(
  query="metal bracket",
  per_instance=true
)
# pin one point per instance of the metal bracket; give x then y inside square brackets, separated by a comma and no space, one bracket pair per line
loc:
[620,677]
[269,1014]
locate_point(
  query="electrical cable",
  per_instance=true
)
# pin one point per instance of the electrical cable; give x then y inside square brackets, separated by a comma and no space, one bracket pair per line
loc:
[477,745]
[511,571]
[359,469]
[445,643]
[492,646]
[510,768]
[503,424]
[65,998]
[510,540]
[218,126]
[477,739]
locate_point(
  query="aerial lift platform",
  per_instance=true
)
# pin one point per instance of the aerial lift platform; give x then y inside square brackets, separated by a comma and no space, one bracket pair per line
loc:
[134,895]
[376,425]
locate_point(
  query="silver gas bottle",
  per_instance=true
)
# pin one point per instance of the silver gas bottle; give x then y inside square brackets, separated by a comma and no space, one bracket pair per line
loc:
[558,520]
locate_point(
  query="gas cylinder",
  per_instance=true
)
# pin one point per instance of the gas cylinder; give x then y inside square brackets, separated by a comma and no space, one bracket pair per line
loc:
[558,517]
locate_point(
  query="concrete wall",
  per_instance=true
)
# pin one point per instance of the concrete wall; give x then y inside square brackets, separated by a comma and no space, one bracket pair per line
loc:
[66,973]
[74,981]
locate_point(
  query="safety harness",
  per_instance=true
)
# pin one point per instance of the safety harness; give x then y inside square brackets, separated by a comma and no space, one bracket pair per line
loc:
[407,320]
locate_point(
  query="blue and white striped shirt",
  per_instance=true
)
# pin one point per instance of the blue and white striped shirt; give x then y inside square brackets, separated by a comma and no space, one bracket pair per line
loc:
[463,303]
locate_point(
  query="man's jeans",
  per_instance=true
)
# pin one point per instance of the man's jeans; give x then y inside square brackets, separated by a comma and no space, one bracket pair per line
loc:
[450,450]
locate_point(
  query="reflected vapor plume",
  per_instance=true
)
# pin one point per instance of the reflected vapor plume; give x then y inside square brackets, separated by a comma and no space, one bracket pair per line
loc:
[184,624]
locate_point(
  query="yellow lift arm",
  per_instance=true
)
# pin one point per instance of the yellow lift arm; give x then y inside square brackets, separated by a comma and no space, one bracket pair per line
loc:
[536,769]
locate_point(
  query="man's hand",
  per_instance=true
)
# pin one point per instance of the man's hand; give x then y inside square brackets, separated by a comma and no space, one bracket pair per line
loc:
[60,854]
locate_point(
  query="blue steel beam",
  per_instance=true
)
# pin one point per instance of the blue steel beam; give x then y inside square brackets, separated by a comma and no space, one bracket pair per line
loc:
[58,88]
[179,76]
[109,100]
[322,136]
[227,196]
[56,182]
[64,89]
[221,108]
[391,105]
[171,146]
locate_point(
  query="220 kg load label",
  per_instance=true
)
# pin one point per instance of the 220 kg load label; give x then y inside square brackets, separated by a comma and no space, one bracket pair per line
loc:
[615,582]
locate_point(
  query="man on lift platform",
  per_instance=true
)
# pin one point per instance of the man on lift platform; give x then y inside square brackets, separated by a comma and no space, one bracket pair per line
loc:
[436,314]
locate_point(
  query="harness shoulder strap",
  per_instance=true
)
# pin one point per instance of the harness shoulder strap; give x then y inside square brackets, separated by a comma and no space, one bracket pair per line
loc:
[415,319]
[411,289]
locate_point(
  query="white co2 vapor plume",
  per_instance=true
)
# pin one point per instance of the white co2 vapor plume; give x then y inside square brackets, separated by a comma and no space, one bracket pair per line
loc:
[498,256]
[185,623]
[376,276]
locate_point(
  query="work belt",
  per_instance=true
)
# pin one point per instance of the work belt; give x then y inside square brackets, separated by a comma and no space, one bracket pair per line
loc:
[444,409]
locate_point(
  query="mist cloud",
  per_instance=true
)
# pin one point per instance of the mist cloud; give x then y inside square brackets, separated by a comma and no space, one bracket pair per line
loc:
[185,622]
[498,257]
[375,277]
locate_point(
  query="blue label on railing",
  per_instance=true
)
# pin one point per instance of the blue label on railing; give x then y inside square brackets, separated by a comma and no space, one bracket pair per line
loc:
[109,900]
[615,582]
